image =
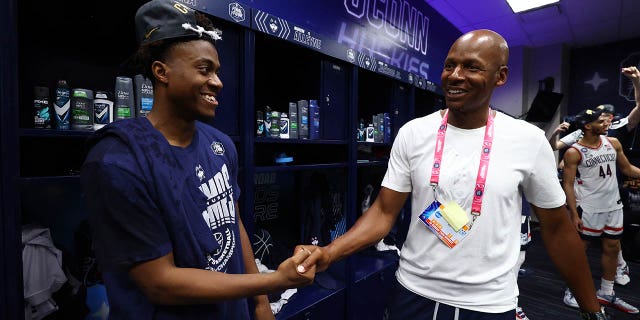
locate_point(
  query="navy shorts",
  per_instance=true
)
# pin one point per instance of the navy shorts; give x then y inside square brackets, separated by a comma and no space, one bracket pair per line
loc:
[404,304]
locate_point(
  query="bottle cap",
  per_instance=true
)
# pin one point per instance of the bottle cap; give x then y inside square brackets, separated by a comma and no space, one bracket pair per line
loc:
[41,92]
[102,95]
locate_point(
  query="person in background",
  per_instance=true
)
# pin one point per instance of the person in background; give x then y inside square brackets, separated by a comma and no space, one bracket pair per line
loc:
[618,129]
[590,183]
[162,190]
[465,168]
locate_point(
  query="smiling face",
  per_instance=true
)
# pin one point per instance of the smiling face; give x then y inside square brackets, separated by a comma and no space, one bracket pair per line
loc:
[600,126]
[191,79]
[475,65]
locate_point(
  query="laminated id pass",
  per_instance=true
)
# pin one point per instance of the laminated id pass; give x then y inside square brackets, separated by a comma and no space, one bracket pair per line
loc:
[435,221]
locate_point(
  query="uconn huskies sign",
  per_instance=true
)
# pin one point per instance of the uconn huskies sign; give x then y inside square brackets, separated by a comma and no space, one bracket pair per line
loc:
[405,34]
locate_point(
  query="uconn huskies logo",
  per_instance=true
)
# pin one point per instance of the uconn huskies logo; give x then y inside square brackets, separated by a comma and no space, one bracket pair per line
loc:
[218,148]
[236,12]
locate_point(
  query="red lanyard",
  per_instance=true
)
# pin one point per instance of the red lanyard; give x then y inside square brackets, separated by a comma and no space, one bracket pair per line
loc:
[481,179]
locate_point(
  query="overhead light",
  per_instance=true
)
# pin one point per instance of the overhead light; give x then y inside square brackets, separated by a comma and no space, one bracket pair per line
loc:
[524,5]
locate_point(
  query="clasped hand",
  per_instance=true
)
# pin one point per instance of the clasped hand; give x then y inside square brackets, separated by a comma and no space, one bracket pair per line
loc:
[289,269]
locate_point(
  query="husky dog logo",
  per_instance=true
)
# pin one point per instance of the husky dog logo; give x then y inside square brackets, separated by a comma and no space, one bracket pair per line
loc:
[236,12]
[273,26]
[200,173]
[218,148]
[351,55]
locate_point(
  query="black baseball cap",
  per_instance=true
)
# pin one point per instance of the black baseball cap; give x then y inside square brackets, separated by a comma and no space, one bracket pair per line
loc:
[169,19]
[606,108]
[588,115]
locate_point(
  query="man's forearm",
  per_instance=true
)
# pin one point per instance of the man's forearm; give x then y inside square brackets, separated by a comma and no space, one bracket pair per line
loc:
[566,250]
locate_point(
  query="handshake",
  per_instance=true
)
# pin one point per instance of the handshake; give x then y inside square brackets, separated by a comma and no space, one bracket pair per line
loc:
[300,269]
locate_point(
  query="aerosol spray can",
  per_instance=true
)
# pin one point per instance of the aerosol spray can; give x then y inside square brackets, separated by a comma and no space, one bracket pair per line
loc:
[267,121]
[41,117]
[259,123]
[62,105]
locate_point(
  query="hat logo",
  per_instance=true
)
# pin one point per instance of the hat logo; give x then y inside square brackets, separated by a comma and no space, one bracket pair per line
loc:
[148,34]
[182,8]
[236,12]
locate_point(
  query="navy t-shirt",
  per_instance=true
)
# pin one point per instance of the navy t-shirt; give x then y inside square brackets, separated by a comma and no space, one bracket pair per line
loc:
[147,198]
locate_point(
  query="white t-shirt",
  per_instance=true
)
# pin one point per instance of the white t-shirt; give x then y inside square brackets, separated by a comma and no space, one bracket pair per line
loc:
[477,273]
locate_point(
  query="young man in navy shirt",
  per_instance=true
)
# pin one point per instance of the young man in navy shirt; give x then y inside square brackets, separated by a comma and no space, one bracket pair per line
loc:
[162,191]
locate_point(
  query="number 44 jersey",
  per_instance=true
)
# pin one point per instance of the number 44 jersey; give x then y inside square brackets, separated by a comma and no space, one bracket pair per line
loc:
[596,184]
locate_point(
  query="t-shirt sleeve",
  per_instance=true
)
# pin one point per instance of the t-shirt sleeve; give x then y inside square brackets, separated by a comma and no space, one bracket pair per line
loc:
[398,175]
[541,186]
[127,226]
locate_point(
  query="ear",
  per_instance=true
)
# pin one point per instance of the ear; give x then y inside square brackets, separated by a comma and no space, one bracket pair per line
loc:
[160,71]
[503,72]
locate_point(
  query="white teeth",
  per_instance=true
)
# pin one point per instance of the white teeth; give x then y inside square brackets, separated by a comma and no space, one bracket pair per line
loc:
[209,98]
[454,91]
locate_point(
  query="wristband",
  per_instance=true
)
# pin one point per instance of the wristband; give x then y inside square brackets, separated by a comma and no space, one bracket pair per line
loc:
[600,315]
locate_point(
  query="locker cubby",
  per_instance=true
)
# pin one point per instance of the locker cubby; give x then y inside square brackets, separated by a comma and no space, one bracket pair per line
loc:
[427,102]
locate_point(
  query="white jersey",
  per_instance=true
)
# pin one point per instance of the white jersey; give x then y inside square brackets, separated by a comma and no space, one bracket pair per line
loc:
[596,184]
[476,274]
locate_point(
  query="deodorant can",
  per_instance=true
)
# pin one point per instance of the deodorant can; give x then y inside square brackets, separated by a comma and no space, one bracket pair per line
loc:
[293,120]
[314,120]
[275,124]
[41,119]
[62,105]
[387,128]
[259,123]
[284,126]
[369,133]
[82,109]
[303,119]
[102,110]
[124,101]
[267,121]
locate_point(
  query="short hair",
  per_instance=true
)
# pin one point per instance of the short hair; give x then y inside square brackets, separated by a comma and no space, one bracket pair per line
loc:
[146,54]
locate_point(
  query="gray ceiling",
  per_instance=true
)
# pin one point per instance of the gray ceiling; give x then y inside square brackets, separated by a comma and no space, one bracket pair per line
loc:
[578,23]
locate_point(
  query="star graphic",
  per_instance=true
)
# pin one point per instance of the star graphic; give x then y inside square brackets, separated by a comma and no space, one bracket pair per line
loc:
[596,81]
